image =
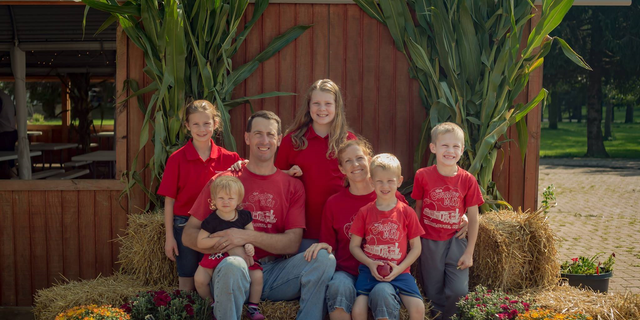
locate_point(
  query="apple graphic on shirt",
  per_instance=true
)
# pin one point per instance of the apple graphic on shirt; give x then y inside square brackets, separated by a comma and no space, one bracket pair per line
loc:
[384,270]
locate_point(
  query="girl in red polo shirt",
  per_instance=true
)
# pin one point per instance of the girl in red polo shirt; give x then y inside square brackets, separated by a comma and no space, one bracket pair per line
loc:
[311,143]
[186,173]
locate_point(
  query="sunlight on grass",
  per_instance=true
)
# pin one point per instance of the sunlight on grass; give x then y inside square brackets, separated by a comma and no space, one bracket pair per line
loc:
[570,140]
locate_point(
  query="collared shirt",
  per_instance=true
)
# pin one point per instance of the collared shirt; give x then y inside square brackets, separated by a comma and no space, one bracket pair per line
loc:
[186,174]
[321,177]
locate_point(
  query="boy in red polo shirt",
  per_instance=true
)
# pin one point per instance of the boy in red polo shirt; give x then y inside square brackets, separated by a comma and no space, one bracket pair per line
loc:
[187,171]
[444,192]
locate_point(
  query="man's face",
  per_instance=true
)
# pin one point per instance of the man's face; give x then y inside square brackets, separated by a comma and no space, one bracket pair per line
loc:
[263,140]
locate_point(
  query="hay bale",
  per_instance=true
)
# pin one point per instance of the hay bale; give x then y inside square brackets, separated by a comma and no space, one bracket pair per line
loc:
[142,251]
[515,251]
[601,306]
[114,290]
[284,310]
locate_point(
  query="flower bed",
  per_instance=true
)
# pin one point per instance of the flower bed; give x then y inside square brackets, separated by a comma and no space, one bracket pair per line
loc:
[167,305]
[486,304]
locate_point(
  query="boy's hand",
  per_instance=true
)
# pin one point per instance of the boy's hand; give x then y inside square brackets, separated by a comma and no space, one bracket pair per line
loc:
[249,249]
[171,248]
[373,268]
[465,261]
[295,171]
[238,165]
[395,271]
[464,226]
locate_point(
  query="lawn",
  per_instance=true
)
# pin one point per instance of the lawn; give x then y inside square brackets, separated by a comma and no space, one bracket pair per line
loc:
[570,140]
[54,122]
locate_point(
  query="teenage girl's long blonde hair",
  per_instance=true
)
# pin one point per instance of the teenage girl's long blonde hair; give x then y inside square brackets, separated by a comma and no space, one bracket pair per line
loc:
[339,128]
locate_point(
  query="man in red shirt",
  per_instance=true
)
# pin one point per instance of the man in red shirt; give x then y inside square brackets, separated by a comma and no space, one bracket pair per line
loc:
[276,202]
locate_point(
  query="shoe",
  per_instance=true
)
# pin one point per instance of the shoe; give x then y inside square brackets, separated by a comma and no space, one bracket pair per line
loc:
[256,315]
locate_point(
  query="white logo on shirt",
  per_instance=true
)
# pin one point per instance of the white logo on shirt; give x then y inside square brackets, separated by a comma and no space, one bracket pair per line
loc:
[388,251]
[446,196]
[261,206]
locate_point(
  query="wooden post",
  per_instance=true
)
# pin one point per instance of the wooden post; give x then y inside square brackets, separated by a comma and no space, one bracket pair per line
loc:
[65,105]
[19,67]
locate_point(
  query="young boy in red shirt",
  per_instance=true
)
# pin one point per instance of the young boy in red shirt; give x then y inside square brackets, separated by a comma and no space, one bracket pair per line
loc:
[380,234]
[444,192]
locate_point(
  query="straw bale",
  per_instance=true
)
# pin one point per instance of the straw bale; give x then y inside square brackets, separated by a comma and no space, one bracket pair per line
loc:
[142,251]
[113,290]
[284,310]
[601,306]
[515,251]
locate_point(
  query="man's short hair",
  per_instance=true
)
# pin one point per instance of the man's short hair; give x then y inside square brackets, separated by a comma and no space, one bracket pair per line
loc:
[386,161]
[444,128]
[264,114]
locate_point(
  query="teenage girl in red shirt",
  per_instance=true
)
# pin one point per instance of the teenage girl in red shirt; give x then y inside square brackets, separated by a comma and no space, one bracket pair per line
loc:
[311,143]
[187,171]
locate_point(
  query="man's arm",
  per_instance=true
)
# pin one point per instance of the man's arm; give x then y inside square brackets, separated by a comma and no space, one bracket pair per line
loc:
[276,243]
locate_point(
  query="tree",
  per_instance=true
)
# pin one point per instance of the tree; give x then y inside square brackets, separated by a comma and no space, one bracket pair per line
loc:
[610,36]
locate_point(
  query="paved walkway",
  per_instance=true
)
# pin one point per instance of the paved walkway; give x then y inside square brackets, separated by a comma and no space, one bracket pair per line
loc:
[598,211]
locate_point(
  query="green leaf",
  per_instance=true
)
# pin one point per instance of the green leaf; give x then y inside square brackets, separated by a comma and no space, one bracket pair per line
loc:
[394,16]
[548,21]
[576,58]
[281,41]
[370,7]
[113,9]
[236,102]
[105,24]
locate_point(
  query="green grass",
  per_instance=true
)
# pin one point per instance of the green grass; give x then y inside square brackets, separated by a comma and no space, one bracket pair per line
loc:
[570,140]
[54,122]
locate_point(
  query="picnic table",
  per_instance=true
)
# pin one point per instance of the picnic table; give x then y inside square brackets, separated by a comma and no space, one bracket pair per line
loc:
[104,134]
[13,155]
[98,156]
[34,133]
[51,147]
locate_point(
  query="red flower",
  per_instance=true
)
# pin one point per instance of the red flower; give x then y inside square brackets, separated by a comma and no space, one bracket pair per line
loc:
[489,291]
[161,298]
[613,254]
[466,298]
[189,309]
[126,307]
[504,307]
[513,301]
[503,316]
[477,299]
[598,269]
[477,305]
[176,292]
[574,259]
[513,313]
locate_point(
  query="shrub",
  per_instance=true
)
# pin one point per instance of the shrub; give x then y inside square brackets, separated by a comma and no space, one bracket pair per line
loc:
[484,304]
[172,305]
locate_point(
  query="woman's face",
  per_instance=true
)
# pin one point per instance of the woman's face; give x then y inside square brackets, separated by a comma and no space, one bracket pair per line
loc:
[354,164]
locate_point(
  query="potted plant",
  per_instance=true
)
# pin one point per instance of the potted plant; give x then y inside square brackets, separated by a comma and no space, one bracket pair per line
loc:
[588,272]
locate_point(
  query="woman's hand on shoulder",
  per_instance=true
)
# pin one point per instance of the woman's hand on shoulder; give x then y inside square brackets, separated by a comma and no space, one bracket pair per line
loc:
[295,171]
[312,252]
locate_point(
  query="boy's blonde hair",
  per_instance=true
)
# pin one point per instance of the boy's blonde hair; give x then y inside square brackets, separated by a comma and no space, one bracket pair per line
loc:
[339,128]
[386,161]
[444,128]
[230,185]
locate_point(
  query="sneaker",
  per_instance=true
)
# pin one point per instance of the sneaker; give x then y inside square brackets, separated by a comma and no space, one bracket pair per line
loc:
[254,314]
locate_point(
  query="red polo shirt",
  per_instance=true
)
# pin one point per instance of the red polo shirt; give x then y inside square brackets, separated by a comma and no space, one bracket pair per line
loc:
[320,176]
[186,174]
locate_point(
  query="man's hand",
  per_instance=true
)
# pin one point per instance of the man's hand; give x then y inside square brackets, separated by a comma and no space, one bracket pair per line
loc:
[229,239]
[312,252]
[238,165]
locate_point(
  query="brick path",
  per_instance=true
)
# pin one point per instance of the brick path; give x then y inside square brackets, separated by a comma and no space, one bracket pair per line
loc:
[598,211]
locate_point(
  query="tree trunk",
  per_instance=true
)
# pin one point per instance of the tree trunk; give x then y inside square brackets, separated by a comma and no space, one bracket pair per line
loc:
[595,144]
[577,112]
[608,119]
[628,117]
[554,108]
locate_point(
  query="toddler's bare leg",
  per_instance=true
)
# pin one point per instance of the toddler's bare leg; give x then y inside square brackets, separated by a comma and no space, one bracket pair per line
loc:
[360,308]
[255,289]
[202,279]
[414,305]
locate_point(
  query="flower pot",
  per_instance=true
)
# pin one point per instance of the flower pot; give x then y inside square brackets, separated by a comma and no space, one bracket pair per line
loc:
[595,282]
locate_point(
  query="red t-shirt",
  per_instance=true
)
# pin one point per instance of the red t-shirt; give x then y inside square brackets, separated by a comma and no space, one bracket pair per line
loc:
[276,202]
[444,200]
[386,234]
[339,212]
[186,173]
[320,176]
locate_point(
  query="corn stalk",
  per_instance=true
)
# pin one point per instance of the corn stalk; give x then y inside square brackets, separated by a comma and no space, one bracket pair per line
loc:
[466,56]
[188,46]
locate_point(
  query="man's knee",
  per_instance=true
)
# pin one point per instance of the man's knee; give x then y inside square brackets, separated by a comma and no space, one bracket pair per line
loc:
[325,260]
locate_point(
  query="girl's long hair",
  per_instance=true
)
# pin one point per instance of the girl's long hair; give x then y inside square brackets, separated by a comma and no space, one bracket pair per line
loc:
[339,128]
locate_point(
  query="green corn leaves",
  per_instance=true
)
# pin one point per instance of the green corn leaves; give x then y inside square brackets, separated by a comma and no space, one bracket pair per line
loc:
[188,47]
[465,54]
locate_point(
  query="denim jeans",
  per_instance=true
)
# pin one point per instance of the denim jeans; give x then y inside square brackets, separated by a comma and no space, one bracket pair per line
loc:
[383,299]
[187,258]
[284,279]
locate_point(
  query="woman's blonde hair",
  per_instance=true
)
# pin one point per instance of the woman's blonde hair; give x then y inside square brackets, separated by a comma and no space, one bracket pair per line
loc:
[203,106]
[230,185]
[339,128]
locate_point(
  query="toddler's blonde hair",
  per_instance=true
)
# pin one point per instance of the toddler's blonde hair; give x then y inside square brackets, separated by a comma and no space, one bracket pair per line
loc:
[230,185]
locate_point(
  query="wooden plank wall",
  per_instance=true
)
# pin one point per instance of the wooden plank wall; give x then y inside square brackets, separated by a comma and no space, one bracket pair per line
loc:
[51,233]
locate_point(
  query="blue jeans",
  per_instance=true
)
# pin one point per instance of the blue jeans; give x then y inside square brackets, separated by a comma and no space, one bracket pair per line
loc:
[284,279]
[187,258]
[341,293]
